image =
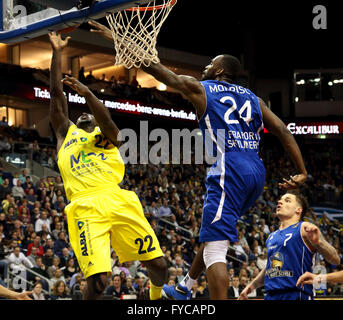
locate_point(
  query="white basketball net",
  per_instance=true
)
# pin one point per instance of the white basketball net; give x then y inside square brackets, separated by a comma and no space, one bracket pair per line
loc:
[135,32]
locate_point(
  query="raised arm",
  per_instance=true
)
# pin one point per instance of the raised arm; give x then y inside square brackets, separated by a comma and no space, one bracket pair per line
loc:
[58,102]
[312,234]
[189,87]
[279,129]
[98,109]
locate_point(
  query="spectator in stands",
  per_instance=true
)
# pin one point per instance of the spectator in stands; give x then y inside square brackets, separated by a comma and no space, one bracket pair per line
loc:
[59,183]
[5,188]
[78,292]
[5,146]
[235,289]
[117,289]
[70,269]
[57,276]
[90,77]
[60,207]
[42,220]
[153,210]
[52,160]
[28,231]
[48,257]
[19,229]
[10,208]
[32,256]
[34,149]
[27,181]
[38,292]
[45,235]
[123,275]
[15,178]
[261,261]
[141,288]
[60,291]
[41,269]
[65,257]
[23,176]
[18,261]
[145,209]
[164,210]
[178,262]
[59,202]
[130,286]
[55,265]
[203,291]
[18,191]
[60,243]
[37,244]
[44,157]
[31,197]
[36,212]
[4,122]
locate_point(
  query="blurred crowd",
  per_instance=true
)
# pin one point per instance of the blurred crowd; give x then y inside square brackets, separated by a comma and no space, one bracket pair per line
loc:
[34,230]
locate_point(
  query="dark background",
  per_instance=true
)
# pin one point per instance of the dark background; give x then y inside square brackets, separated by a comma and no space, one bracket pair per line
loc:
[274,37]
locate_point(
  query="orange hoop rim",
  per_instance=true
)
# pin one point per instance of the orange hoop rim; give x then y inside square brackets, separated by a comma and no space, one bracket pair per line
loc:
[151,8]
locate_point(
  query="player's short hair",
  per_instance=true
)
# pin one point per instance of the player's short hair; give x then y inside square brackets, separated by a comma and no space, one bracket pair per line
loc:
[231,65]
[302,200]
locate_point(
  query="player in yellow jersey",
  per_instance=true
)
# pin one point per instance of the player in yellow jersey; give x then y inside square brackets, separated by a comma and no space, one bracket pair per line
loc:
[100,213]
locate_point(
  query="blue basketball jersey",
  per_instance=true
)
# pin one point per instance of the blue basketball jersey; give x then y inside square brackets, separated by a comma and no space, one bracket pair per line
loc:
[232,119]
[288,259]
[231,127]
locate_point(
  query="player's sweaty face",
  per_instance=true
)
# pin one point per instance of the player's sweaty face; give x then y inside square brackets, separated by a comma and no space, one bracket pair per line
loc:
[210,70]
[84,118]
[287,205]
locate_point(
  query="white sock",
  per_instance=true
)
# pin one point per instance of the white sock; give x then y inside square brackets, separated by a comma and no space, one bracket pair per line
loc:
[187,282]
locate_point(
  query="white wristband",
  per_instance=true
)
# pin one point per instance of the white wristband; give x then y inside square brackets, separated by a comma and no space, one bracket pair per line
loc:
[319,280]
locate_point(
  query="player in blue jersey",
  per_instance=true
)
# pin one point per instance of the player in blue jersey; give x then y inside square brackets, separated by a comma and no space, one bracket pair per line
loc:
[290,251]
[232,117]
[237,179]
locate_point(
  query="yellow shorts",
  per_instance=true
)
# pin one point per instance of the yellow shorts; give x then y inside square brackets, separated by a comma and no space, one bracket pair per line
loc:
[101,217]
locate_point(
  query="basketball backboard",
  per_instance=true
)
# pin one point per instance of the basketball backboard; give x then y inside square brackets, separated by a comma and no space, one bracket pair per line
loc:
[22,19]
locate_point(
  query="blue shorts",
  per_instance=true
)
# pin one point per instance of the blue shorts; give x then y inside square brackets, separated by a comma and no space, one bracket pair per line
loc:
[288,295]
[243,184]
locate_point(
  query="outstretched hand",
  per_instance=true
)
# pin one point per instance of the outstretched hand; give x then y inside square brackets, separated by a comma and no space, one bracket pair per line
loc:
[101,29]
[244,294]
[23,295]
[306,278]
[76,85]
[294,182]
[57,42]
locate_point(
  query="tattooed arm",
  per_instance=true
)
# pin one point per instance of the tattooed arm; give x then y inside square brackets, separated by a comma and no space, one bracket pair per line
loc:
[312,236]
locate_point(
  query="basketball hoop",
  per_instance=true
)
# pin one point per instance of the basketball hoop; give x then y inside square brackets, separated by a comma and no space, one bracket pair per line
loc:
[135,32]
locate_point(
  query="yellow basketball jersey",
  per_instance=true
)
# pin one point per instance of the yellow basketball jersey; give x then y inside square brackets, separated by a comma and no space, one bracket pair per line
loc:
[88,160]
